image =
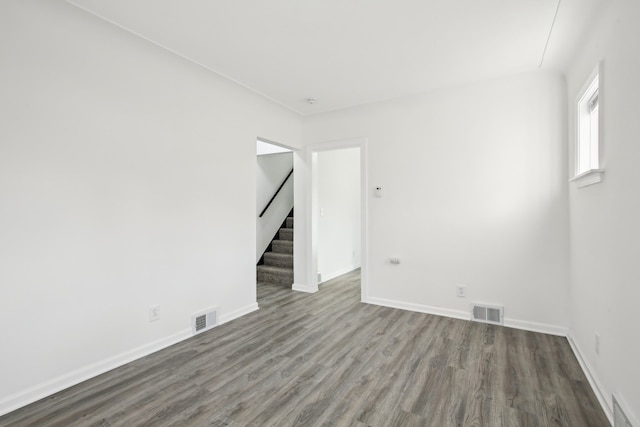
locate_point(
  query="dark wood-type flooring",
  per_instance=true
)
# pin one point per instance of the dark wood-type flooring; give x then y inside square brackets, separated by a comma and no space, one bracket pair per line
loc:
[326,359]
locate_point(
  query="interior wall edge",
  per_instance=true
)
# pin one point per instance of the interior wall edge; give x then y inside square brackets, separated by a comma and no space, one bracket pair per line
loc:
[242,311]
[420,308]
[48,388]
[543,328]
[310,289]
[463,315]
[337,273]
[595,383]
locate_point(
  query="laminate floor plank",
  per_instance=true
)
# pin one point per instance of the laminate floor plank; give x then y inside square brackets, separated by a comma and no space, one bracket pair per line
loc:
[326,359]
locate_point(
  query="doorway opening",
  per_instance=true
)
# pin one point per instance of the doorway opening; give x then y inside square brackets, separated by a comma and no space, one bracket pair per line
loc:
[274,214]
[339,215]
[338,211]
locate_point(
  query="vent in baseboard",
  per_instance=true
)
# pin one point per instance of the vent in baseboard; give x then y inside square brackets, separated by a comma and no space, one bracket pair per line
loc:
[621,415]
[204,320]
[487,313]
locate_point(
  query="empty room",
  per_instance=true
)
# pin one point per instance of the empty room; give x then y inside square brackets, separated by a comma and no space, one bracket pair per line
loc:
[457,244]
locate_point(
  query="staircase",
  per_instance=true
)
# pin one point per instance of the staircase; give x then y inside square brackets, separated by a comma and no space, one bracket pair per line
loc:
[276,265]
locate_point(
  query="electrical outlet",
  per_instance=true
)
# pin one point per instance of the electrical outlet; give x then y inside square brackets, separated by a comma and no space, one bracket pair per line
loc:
[154,313]
[461,291]
[597,344]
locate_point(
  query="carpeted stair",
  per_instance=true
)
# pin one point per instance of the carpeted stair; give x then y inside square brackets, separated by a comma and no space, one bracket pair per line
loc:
[277,263]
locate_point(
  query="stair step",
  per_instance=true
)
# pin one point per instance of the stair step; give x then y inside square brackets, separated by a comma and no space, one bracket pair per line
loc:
[286,234]
[290,222]
[275,275]
[276,259]
[282,246]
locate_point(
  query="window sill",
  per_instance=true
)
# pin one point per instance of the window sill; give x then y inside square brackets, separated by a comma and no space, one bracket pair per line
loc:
[590,177]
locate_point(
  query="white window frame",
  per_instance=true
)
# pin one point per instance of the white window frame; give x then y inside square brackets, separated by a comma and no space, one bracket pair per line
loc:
[588,159]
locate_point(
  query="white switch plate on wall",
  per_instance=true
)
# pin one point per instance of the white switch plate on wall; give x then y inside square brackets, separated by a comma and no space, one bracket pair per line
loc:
[154,313]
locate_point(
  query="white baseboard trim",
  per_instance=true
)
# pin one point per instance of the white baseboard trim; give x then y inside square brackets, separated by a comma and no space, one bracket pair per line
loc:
[459,314]
[33,394]
[340,272]
[305,288]
[48,388]
[594,382]
[438,311]
[536,327]
[228,317]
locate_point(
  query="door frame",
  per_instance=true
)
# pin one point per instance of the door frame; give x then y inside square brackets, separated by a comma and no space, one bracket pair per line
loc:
[311,244]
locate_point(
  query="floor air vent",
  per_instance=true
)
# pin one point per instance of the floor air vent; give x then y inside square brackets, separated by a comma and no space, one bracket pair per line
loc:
[487,314]
[620,418]
[204,320]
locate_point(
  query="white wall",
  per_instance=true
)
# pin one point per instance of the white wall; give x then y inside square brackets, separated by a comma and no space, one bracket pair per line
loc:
[127,178]
[263,148]
[115,194]
[339,216]
[272,170]
[604,218]
[475,193]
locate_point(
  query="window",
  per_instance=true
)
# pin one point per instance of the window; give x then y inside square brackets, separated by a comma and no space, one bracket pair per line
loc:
[588,168]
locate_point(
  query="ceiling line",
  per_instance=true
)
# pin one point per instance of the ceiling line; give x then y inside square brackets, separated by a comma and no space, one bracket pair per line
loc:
[555,15]
[193,61]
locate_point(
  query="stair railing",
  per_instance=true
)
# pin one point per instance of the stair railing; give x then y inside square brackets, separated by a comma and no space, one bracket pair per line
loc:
[277,191]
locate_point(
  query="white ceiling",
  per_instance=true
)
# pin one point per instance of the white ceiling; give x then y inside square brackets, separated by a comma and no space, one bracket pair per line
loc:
[351,52]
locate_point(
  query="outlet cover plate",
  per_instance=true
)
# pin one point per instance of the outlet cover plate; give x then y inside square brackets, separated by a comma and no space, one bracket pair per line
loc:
[154,313]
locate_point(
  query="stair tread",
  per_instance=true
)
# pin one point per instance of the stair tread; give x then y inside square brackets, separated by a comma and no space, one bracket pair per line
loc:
[278,259]
[277,267]
[282,246]
[278,255]
[274,269]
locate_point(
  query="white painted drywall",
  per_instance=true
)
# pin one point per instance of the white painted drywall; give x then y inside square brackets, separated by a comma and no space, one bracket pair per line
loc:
[474,192]
[263,148]
[605,253]
[303,261]
[127,179]
[272,170]
[339,217]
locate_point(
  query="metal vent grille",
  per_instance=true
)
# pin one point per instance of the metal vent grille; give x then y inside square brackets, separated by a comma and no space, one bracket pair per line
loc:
[204,320]
[479,312]
[493,315]
[620,418]
[201,322]
[487,314]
